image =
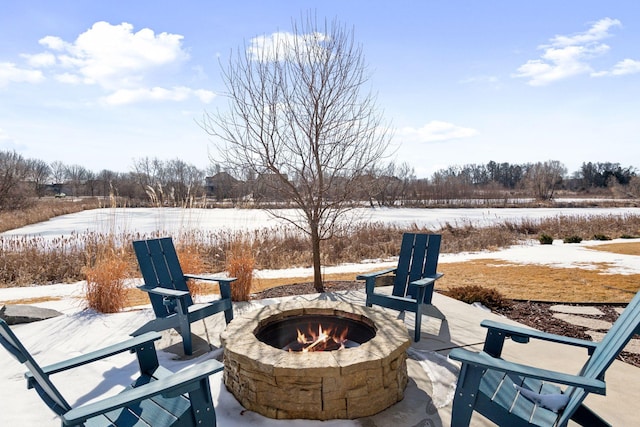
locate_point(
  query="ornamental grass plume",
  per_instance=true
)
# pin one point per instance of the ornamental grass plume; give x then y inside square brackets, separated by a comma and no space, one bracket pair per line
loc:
[105,290]
[192,262]
[240,264]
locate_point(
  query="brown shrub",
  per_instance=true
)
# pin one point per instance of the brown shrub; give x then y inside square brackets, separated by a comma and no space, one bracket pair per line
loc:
[240,264]
[490,298]
[192,262]
[105,289]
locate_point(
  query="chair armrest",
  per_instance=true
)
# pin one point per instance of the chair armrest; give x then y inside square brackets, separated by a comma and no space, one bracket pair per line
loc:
[368,276]
[485,361]
[128,345]
[211,279]
[181,382]
[165,292]
[427,280]
[522,335]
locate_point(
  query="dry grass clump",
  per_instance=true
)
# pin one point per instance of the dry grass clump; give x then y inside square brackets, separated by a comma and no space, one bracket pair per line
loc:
[29,260]
[192,262]
[488,297]
[588,226]
[43,210]
[240,264]
[105,289]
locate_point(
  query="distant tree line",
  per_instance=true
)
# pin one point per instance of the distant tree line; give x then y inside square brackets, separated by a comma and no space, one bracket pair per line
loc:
[154,182]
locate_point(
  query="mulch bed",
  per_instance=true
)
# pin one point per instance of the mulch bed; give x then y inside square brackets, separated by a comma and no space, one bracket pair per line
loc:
[537,315]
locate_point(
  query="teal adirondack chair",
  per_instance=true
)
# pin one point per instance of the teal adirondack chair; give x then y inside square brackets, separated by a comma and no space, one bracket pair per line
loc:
[158,397]
[487,383]
[414,279]
[166,285]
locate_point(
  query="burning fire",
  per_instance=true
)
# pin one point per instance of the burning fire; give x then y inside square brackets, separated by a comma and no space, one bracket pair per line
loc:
[324,339]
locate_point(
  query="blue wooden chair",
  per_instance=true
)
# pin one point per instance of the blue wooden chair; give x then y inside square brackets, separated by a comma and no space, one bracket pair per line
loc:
[414,279]
[166,285]
[518,395]
[158,397]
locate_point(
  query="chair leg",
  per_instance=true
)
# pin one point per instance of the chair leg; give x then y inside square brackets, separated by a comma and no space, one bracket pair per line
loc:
[465,395]
[187,343]
[185,328]
[228,315]
[204,412]
[225,294]
[418,329]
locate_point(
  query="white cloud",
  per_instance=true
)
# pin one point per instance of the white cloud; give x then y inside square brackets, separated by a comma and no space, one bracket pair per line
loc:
[624,67]
[279,45]
[493,80]
[55,43]
[114,56]
[627,66]
[130,96]
[597,32]
[127,64]
[68,78]
[10,73]
[434,131]
[567,56]
[40,60]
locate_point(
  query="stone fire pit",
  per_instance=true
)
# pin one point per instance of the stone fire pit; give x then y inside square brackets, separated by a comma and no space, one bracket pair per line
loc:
[348,383]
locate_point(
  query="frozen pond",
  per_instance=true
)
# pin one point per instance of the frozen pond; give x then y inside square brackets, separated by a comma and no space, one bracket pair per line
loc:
[174,220]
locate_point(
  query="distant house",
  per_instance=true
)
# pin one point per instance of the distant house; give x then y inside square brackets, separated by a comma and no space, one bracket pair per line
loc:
[223,186]
[268,187]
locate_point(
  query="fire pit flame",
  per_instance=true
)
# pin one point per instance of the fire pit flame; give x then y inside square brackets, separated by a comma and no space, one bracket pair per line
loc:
[324,339]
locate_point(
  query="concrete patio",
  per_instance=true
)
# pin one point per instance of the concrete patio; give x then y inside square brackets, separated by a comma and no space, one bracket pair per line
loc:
[429,393]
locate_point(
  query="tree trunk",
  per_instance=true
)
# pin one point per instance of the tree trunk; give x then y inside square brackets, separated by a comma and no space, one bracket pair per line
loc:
[317,272]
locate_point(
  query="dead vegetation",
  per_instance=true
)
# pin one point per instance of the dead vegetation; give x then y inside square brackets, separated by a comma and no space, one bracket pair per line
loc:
[27,261]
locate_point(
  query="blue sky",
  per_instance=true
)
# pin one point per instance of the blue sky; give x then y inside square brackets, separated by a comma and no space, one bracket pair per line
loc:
[100,84]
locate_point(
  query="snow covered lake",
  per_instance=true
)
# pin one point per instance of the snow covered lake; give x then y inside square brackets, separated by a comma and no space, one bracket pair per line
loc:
[174,220]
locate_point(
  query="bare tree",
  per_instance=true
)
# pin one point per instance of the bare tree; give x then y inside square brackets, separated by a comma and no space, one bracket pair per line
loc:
[39,173]
[544,178]
[297,115]
[77,176]
[58,175]
[14,171]
[186,181]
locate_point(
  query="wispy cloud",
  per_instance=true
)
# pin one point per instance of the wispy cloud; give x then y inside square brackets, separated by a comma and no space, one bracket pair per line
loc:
[624,67]
[130,96]
[434,131]
[278,46]
[11,73]
[570,55]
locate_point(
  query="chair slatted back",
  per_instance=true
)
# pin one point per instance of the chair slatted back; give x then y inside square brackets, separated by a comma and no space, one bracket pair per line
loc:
[160,267]
[418,259]
[40,381]
[619,335]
